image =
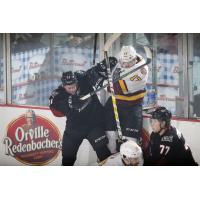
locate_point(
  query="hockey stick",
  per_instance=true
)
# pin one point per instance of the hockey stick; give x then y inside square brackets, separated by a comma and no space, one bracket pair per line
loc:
[107,46]
[110,41]
[149,58]
[95,47]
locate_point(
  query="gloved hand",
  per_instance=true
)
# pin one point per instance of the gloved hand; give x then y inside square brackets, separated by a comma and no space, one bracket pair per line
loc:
[116,74]
[75,102]
[102,68]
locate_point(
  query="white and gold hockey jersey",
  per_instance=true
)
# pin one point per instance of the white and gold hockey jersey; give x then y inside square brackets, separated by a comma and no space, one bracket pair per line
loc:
[131,89]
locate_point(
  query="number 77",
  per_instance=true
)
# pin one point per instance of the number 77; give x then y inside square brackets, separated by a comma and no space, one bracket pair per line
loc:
[163,147]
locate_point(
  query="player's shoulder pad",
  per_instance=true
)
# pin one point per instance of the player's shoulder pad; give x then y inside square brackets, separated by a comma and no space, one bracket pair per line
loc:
[139,57]
[57,91]
[178,133]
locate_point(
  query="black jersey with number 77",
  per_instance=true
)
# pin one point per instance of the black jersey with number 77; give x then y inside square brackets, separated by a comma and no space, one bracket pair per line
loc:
[169,149]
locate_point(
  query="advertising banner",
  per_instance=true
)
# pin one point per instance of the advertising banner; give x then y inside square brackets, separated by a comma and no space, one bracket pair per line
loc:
[33,136]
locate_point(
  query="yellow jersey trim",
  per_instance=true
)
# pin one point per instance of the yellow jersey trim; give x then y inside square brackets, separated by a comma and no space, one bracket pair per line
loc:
[123,86]
[131,98]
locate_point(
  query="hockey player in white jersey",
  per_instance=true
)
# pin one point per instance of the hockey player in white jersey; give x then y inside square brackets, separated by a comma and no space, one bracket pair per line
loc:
[130,155]
[129,94]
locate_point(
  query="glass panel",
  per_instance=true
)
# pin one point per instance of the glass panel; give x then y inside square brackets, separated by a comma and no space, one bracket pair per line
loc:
[73,51]
[165,81]
[194,73]
[169,73]
[2,92]
[38,61]
[30,62]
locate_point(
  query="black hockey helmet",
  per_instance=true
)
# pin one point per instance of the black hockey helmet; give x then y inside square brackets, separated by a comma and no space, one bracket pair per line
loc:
[162,114]
[68,78]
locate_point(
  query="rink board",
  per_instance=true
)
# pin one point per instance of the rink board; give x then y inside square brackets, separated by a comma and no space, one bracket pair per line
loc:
[41,144]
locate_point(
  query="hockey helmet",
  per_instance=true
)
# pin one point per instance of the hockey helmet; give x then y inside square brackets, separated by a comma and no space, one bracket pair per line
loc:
[127,54]
[130,149]
[68,78]
[162,114]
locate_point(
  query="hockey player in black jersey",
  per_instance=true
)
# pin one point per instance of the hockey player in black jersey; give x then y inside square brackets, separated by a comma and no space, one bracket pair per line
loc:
[167,145]
[85,118]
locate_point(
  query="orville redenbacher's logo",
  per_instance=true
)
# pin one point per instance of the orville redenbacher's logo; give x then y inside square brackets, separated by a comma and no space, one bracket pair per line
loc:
[32,139]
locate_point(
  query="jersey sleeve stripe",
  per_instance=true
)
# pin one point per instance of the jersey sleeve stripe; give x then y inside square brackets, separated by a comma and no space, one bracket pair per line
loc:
[123,86]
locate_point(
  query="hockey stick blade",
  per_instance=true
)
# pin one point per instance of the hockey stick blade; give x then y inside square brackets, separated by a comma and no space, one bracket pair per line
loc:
[111,40]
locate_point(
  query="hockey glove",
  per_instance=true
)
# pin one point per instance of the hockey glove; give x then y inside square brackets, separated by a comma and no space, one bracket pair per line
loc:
[102,68]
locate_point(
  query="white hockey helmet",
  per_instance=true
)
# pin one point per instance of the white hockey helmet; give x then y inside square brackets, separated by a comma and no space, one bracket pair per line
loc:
[131,150]
[127,54]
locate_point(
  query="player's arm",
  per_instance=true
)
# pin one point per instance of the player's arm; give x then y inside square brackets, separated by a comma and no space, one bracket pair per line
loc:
[58,103]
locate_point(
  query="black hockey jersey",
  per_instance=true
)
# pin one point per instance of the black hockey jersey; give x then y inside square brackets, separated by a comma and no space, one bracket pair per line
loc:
[169,149]
[87,113]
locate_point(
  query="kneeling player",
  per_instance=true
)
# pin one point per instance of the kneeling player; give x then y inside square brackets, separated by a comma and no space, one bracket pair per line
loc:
[130,155]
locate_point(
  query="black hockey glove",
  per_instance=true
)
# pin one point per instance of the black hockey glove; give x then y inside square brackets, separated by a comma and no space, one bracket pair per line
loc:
[75,102]
[116,74]
[102,68]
